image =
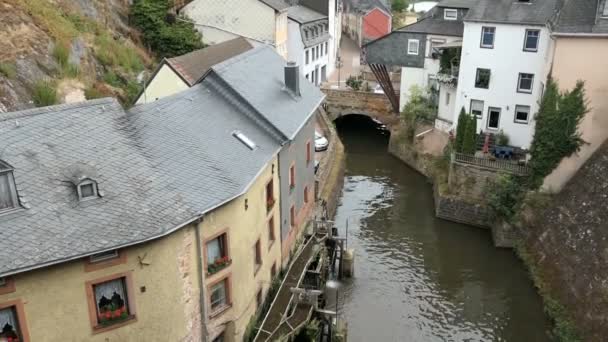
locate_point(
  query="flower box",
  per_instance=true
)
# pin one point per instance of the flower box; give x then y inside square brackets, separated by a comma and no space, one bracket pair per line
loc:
[218,265]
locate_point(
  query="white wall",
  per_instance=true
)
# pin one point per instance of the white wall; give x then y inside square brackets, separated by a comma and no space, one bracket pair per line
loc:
[295,46]
[506,60]
[228,18]
[445,109]
[166,82]
[297,53]
[334,31]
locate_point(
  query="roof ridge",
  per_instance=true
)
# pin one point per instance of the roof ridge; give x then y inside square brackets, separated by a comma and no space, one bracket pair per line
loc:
[238,58]
[57,108]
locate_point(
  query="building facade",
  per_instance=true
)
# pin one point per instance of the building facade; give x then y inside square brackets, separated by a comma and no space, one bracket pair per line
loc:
[309,39]
[264,21]
[366,20]
[581,29]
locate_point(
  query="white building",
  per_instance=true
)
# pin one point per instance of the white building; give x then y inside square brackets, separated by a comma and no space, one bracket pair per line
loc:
[308,42]
[264,21]
[506,57]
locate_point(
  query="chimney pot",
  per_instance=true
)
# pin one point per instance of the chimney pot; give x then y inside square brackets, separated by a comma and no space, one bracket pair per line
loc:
[292,77]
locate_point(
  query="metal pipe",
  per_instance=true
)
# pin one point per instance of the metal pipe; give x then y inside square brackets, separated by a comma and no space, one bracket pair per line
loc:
[201,280]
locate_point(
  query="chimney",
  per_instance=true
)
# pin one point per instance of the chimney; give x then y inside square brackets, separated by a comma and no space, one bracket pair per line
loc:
[292,77]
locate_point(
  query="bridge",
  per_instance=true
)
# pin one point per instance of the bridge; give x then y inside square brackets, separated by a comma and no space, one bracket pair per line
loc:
[340,102]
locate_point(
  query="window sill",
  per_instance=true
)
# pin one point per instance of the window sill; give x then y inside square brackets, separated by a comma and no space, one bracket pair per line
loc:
[218,312]
[219,270]
[521,122]
[528,50]
[524,91]
[103,328]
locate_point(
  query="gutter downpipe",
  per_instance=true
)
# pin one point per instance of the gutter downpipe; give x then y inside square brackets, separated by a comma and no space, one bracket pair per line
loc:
[201,279]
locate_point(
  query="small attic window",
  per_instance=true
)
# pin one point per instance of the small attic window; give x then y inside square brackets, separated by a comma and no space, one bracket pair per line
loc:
[524,1]
[244,139]
[87,189]
[8,191]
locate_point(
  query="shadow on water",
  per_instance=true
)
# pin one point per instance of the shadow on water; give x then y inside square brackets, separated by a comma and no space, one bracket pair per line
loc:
[419,278]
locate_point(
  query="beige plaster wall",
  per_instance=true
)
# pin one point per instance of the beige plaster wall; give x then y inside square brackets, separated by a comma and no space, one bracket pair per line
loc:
[582,59]
[166,82]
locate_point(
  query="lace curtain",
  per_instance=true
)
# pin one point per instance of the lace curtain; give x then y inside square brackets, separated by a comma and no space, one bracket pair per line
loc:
[111,292]
[7,316]
[214,251]
[5,193]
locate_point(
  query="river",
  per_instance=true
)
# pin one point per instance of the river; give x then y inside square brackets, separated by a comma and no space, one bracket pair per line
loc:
[419,278]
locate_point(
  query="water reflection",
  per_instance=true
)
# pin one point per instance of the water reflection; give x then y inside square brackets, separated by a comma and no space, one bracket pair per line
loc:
[418,278]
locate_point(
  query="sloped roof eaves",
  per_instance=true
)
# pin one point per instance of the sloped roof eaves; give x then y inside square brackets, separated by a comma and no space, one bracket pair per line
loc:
[277,5]
[580,17]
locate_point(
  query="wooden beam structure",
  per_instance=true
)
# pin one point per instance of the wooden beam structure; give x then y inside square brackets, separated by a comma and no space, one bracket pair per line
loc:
[384,79]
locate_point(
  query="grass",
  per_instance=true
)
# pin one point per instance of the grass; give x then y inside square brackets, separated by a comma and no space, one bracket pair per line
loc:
[8,70]
[563,326]
[112,53]
[50,16]
[44,94]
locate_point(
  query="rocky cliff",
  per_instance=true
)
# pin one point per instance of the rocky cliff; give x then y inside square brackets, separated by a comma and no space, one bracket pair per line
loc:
[54,51]
[567,247]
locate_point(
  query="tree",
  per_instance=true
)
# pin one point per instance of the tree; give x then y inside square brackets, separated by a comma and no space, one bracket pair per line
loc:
[469,141]
[418,107]
[556,133]
[399,5]
[166,39]
[460,130]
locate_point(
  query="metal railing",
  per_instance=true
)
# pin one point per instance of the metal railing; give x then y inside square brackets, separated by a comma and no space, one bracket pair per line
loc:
[496,164]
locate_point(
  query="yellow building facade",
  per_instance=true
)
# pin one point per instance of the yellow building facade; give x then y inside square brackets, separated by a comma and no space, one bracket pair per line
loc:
[159,282]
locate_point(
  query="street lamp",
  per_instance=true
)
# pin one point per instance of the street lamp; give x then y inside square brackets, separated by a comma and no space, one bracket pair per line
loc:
[339,66]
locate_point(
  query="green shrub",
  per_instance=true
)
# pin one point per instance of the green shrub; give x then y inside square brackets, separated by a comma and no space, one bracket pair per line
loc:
[419,107]
[91,93]
[80,23]
[71,70]
[61,54]
[112,53]
[44,94]
[165,39]
[505,195]
[354,82]
[502,138]
[399,5]
[8,70]
[131,89]
[556,134]
[112,79]
[461,130]
[469,142]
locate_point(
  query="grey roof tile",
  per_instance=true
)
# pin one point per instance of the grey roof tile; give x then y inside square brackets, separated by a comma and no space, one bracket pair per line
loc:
[158,166]
[256,76]
[582,16]
[537,12]
[302,14]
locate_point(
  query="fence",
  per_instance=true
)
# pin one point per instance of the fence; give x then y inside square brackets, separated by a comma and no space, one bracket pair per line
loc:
[496,164]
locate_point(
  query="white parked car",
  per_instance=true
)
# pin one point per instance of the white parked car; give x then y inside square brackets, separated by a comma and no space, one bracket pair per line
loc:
[321,142]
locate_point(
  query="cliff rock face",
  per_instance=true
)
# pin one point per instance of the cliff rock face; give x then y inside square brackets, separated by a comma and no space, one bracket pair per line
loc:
[568,242]
[94,36]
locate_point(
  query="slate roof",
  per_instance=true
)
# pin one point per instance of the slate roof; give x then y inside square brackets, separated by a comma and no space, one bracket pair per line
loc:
[438,26]
[511,11]
[303,14]
[158,167]
[582,16]
[277,5]
[253,76]
[366,5]
[192,66]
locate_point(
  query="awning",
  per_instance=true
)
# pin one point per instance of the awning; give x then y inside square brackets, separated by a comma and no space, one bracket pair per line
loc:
[454,44]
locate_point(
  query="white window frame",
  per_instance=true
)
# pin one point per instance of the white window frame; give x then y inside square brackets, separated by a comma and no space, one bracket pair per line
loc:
[87,182]
[415,41]
[450,17]
[490,109]
[527,117]
[103,256]
[471,108]
[486,46]
[526,40]
[522,90]
[8,172]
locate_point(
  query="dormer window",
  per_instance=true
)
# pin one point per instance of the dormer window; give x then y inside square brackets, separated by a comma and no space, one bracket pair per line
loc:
[450,14]
[87,189]
[8,191]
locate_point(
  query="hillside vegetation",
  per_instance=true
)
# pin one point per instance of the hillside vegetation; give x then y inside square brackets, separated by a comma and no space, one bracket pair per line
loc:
[54,51]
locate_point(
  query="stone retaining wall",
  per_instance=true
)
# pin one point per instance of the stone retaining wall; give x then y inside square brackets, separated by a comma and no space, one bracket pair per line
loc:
[457,209]
[341,102]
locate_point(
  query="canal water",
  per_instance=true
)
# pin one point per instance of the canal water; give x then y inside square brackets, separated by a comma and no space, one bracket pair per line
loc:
[419,278]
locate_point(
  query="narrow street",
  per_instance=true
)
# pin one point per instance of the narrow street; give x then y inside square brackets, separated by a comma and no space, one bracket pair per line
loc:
[350,55]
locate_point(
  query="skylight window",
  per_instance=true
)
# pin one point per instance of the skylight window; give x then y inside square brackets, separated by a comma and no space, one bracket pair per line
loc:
[8,191]
[87,189]
[244,139]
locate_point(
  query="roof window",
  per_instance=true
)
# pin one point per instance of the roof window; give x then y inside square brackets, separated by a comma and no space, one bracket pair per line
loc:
[244,139]
[87,189]
[605,12]
[8,191]
[450,14]
[104,256]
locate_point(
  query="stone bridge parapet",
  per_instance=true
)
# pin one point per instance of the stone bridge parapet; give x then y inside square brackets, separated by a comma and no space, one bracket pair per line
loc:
[340,102]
